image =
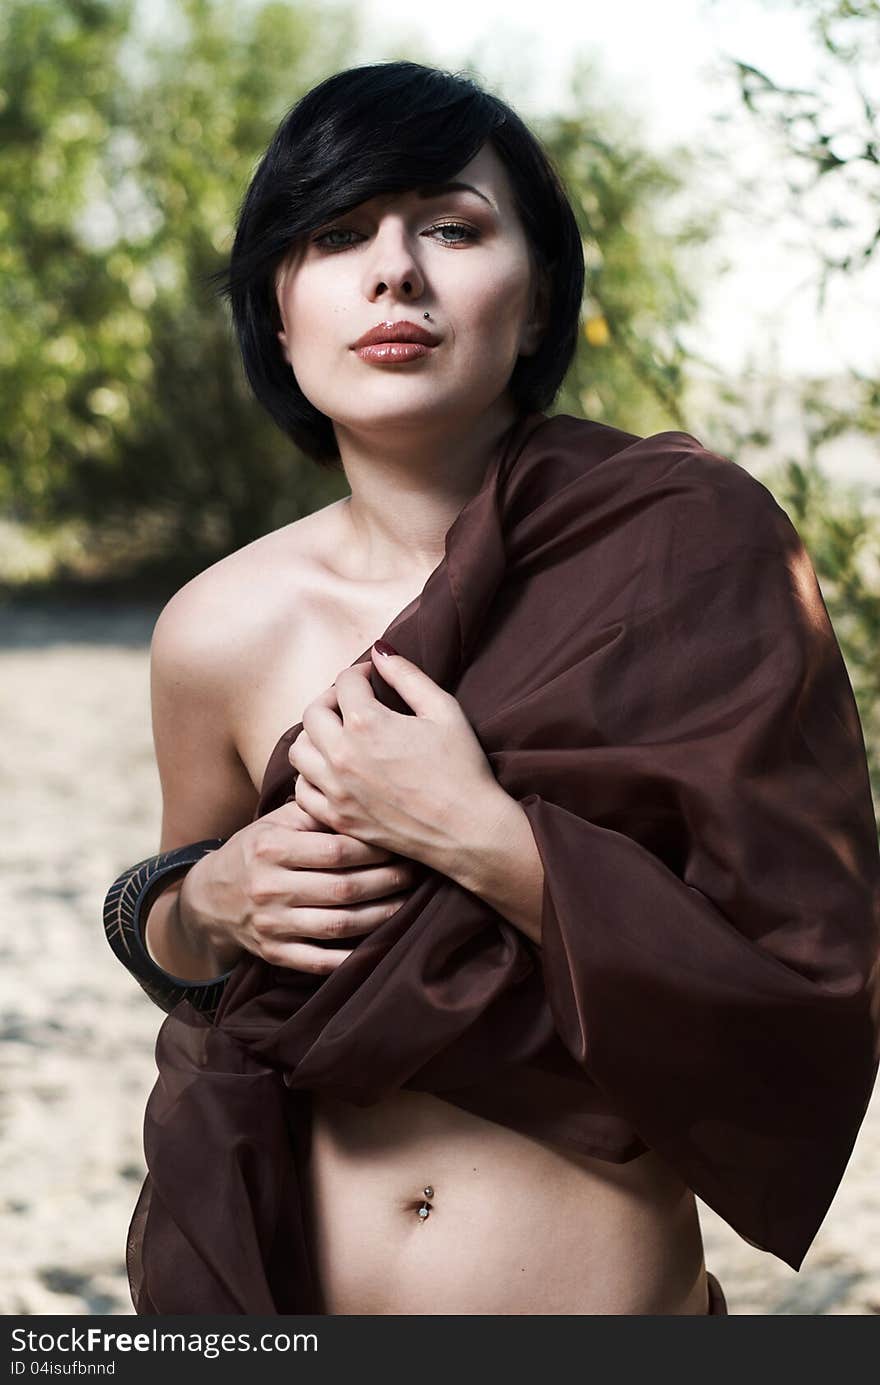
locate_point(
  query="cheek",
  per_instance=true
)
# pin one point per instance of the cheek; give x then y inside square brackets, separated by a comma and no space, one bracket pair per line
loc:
[310,304]
[313,336]
[302,316]
[500,284]
[491,309]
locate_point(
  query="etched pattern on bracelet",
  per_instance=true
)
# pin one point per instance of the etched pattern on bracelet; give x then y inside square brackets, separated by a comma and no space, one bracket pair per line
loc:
[125,907]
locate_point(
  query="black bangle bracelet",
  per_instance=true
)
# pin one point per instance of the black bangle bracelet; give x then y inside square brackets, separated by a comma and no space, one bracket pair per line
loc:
[125,907]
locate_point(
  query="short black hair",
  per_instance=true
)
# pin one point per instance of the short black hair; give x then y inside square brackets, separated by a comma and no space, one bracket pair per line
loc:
[379,128]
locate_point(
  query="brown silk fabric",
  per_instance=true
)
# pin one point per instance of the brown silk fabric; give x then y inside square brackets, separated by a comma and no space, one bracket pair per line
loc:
[635,631]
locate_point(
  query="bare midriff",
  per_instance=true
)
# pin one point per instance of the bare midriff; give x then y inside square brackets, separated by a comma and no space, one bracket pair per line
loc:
[414,1205]
[513,1225]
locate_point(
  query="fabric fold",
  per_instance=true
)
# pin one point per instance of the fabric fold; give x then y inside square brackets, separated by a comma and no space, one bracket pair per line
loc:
[635,631]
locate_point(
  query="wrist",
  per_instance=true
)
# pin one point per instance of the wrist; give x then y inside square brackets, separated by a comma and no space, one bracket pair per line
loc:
[480,822]
[196,923]
[498,860]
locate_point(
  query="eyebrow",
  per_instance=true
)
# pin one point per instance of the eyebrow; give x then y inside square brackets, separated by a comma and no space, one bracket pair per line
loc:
[440,190]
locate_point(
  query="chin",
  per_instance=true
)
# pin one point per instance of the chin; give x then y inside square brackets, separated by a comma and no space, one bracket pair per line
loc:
[401,407]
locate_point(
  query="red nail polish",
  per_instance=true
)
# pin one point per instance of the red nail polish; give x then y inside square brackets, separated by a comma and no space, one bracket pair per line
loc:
[383,647]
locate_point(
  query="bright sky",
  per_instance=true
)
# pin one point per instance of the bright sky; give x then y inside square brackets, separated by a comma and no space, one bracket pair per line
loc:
[663,64]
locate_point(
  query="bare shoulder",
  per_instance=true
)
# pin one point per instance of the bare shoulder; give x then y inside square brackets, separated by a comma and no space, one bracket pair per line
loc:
[213,659]
[221,618]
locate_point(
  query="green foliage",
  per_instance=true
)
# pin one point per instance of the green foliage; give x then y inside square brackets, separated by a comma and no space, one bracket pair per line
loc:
[67,318]
[123,398]
[123,164]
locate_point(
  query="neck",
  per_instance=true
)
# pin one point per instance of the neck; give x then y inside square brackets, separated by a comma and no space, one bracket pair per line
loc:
[408,487]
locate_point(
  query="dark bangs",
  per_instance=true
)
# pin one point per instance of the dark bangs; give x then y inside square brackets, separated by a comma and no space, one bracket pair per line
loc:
[382,128]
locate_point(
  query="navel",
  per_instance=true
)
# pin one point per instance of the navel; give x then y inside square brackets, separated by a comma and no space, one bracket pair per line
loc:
[422,1206]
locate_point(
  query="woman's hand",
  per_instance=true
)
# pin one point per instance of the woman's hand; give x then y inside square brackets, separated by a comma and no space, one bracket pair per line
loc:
[415,785]
[289,891]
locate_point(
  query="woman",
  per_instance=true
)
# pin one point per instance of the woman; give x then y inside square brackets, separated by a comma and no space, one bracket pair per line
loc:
[406,281]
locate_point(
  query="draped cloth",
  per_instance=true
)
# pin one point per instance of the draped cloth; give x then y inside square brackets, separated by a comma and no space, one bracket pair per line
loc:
[635,631]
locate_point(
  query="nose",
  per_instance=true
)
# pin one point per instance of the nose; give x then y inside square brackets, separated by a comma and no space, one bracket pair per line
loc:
[394,270]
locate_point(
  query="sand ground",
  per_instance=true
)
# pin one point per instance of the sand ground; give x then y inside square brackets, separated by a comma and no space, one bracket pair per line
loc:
[80,800]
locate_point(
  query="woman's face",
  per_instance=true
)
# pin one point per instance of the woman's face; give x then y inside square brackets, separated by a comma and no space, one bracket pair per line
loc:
[390,259]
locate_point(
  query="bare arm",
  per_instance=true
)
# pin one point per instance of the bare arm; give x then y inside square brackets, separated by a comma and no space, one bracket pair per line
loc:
[206,789]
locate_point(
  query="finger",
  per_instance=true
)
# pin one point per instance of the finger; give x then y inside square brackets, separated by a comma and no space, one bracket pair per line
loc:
[322,724]
[308,761]
[354,692]
[282,890]
[364,668]
[320,922]
[324,705]
[327,698]
[354,852]
[306,957]
[418,691]
[321,847]
[294,817]
[313,801]
[298,818]
[343,890]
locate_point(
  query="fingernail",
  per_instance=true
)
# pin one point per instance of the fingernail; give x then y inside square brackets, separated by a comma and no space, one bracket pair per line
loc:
[383,647]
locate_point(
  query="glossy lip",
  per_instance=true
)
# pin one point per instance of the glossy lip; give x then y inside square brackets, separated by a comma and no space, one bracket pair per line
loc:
[396,331]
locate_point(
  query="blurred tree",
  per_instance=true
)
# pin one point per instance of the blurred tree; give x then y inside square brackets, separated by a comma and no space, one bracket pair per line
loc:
[825,144]
[123,400]
[643,281]
[829,136]
[124,160]
[67,323]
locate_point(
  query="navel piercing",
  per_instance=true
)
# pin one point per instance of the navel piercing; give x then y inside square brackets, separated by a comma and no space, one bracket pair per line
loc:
[425,1209]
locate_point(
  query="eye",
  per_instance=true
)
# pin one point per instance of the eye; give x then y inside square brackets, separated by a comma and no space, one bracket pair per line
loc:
[470,234]
[334,231]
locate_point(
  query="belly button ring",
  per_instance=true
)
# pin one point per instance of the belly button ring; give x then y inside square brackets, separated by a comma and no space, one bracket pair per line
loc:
[425,1209]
